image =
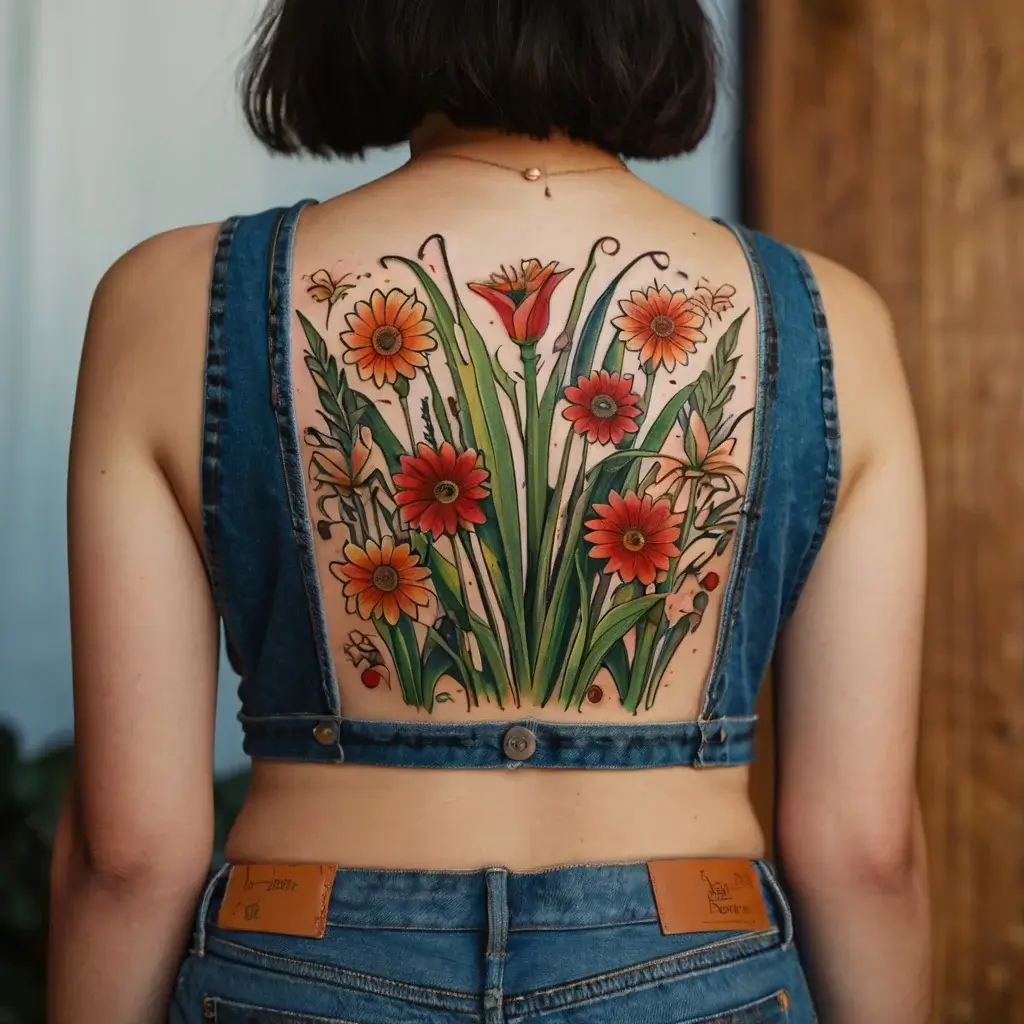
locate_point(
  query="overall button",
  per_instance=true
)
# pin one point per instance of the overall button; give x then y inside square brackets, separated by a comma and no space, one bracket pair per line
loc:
[519,743]
[326,732]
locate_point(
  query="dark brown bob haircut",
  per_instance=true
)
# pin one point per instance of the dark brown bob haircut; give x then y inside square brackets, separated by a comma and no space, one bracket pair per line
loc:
[337,77]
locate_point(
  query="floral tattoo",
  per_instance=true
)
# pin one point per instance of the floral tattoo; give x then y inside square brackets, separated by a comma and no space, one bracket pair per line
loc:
[480,582]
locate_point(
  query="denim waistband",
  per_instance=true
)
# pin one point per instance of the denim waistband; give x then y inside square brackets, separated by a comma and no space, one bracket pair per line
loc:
[574,897]
[714,742]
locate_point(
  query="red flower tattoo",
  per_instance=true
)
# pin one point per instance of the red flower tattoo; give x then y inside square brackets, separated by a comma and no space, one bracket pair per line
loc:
[441,490]
[603,406]
[522,298]
[636,535]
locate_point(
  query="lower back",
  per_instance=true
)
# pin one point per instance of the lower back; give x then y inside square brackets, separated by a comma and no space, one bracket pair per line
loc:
[361,816]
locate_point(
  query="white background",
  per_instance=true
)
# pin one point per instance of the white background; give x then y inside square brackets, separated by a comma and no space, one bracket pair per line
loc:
[118,119]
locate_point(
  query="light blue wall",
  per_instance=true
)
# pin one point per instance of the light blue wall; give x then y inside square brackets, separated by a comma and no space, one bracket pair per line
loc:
[119,120]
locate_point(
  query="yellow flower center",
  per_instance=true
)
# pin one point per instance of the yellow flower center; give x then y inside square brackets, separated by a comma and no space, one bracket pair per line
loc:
[604,407]
[385,578]
[633,540]
[446,491]
[386,340]
[663,326]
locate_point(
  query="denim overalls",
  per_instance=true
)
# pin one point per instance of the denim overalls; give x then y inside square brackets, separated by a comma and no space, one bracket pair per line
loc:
[567,945]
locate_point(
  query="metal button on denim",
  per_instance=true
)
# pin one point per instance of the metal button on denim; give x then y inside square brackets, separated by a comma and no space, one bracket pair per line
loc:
[326,733]
[519,743]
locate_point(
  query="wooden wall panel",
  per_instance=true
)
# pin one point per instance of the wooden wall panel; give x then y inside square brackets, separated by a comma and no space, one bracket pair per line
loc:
[889,135]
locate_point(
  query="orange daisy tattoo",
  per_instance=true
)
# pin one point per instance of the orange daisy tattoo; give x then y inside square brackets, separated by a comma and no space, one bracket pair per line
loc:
[662,325]
[384,580]
[388,336]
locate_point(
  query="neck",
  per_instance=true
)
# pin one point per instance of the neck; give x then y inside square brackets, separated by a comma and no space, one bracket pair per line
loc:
[438,136]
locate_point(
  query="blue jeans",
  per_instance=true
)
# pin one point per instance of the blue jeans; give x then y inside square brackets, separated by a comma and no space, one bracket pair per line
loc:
[562,946]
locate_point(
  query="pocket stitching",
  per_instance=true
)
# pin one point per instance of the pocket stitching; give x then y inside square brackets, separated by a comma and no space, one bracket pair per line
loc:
[730,1016]
[356,980]
[282,1015]
[630,978]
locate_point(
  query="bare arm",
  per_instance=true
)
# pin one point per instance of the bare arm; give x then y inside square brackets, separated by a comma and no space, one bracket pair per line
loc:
[136,830]
[850,838]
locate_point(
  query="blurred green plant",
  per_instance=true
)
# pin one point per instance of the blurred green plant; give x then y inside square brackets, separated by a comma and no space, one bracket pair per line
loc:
[31,791]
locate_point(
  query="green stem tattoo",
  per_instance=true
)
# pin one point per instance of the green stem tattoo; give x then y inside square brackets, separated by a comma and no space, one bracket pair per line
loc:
[376,509]
[467,654]
[542,581]
[599,596]
[536,484]
[648,395]
[684,537]
[466,543]
[440,413]
[364,525]
[404,401]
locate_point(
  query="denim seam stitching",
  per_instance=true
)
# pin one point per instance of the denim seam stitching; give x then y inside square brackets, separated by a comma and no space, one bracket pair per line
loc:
[214,412]
[830,419]
[302,1018]
[200,937]
[357,925]
[642,976]
[502,725]
[283,400]
[745,1014]
[750,514]
[558,746]
[781,900]
[621,973]
[356,980]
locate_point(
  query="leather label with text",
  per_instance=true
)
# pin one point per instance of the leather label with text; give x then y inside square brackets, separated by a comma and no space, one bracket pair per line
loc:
[281,899]
[708,896]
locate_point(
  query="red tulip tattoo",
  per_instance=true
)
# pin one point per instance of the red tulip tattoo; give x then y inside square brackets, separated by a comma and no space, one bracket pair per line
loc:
[522,298]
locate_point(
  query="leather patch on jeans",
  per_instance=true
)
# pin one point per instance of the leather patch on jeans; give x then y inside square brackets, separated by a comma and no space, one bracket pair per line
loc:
[281,899]
[708,896]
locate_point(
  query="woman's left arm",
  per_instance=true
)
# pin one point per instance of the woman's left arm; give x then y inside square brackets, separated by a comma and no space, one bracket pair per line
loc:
[136,831]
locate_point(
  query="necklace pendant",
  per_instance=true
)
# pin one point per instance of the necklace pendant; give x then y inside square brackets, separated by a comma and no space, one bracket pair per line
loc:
[532,173]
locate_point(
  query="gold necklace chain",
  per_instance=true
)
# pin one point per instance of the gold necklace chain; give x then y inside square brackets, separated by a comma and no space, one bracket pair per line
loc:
[529,173]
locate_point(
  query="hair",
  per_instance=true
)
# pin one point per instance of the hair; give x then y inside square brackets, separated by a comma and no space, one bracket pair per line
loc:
[336,77]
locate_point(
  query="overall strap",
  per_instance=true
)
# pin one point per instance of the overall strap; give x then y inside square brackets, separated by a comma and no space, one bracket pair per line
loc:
[795,488]
[282,398]
[249,521]
[238,293]
[815,404]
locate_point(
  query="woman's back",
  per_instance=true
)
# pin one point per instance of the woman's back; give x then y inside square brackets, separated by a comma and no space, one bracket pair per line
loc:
[592,593]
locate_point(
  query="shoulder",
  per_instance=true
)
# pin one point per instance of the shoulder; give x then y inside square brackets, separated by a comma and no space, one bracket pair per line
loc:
[147,280]
[875,406]
[852,305]
[147,322]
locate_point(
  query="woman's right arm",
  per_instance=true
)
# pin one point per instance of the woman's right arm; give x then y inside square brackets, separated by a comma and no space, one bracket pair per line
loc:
[849,835]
